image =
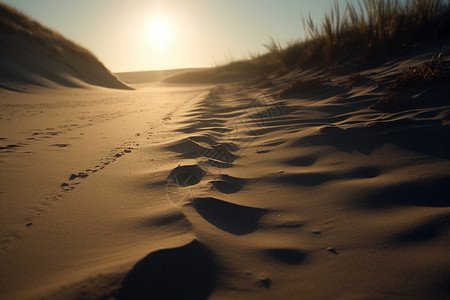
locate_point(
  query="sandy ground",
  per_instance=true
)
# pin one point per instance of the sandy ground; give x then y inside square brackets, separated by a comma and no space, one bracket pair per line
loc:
[54,142]
[230,191]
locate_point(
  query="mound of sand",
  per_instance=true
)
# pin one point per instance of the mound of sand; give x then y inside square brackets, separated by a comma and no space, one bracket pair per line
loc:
[151,76]
[233,72]
[31,54]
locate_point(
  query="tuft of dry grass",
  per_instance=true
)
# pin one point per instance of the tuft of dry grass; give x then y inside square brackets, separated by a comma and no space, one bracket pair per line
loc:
[389,102]
[354,79]
[432,71]
[428,73]
[303,85]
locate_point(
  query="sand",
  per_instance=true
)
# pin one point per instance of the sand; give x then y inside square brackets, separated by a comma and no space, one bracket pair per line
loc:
[200,191]
[32,54]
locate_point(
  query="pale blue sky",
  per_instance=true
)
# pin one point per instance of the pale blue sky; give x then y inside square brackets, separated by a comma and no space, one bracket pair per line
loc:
[202,32]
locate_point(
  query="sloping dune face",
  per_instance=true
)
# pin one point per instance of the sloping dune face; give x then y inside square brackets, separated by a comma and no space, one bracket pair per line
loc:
[31,54]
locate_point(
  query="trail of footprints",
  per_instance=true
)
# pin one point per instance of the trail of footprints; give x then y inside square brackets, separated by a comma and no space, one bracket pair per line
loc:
[215,153]
[209,144]
[75,178]
[72,181]
[43,134]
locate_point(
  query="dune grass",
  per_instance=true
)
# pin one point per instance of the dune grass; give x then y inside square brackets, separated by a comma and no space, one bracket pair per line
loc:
[363,31]
[367,33]
[354,79]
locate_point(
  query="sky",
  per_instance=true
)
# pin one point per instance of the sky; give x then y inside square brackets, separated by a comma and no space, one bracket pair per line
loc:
[140,35]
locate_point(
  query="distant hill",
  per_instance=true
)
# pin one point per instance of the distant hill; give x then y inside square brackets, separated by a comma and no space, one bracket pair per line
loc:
[32,54]
[152,76]
[231,72]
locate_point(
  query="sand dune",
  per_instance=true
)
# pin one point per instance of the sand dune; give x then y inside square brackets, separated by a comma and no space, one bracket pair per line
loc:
[33,55]
[231,72]
[230,191]
[150,76]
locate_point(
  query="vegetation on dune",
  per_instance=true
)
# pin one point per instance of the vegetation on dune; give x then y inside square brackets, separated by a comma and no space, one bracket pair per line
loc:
[370,29]
[432,71]
[429,72]
[364,33]
[354,79]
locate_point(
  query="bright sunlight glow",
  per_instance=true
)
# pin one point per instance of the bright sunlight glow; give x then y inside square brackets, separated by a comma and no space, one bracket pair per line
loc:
[160,33]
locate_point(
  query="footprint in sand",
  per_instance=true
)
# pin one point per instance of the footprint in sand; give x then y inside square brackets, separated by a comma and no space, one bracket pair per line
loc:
[288,256]
[9,147]
[79,175]
[302,161]
[232,218]
[186,175]
[180,183]
[228,184]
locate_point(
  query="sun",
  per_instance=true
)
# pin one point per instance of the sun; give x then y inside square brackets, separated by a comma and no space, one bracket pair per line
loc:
[160,32]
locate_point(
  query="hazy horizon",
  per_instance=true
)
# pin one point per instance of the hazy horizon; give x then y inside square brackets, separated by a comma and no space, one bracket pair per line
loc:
[142,35]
